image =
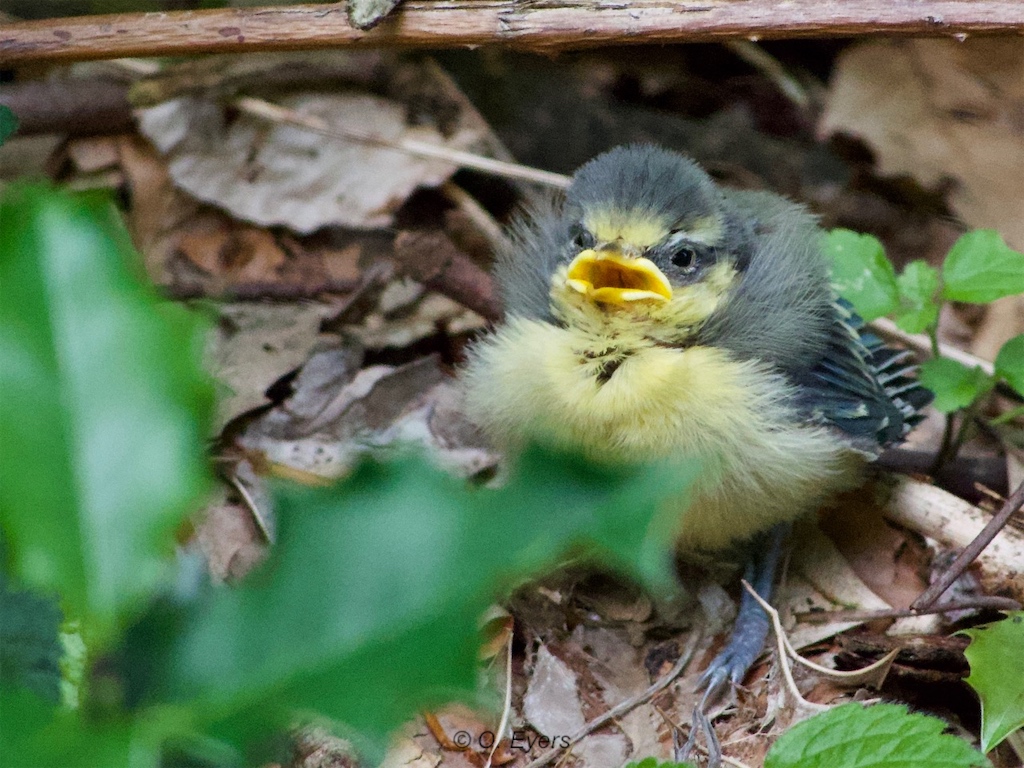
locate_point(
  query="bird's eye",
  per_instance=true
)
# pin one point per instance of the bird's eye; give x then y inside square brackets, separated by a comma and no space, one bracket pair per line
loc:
[581,238]
[685,258]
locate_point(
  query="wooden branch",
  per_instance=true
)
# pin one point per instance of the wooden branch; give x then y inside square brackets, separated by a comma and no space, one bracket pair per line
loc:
[543,25]
[77,107]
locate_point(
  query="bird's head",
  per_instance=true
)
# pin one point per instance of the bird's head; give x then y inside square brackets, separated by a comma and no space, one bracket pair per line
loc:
[652,243]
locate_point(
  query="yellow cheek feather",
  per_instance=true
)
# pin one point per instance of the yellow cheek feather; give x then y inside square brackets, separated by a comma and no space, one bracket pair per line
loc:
[616,395]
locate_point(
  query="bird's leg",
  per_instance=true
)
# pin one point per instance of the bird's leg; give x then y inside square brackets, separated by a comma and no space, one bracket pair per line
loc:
[751,628]
[700,724]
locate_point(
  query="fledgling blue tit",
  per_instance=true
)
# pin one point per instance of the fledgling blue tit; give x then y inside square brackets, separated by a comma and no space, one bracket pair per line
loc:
[655,315]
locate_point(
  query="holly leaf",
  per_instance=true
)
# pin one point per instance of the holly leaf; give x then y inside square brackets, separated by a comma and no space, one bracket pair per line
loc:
[918,286]
[1010,363]
[102,397]
[981,267]
[367,608]
[994,655]
[862,274]
[955,385]
[882,736]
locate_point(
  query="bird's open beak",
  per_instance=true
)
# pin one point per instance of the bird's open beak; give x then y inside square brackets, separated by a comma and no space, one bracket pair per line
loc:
[616,279]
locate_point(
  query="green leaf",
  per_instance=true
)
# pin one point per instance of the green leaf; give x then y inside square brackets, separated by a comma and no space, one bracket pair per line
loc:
[918,286]
[653,762]
[980,268]
[368,606]
[994,655]
[8,123]
[862,274]
[882,736]
[37,734]
[1010,363]
[30,648]
[105,402]
[954,384]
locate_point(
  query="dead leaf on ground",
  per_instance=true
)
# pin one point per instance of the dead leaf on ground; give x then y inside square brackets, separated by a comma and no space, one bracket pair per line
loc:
[254,345]
[938,110]
[230,539]
[552,701]
[279,174]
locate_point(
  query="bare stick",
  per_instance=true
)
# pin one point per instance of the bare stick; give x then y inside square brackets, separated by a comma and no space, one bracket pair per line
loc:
[624,707]
[971,551]
[546,25]
[78,106]
[434,260]
[923,346]
[278,114]
[991,602]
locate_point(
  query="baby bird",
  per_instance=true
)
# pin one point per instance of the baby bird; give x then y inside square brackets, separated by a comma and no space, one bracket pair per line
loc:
[655,315]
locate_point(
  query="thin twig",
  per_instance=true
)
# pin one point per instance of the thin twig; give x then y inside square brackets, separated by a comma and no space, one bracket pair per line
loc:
[278,114]
[782,656]
[928,598]
[476,213]
[623,707]
[923,345]
[506,709]
[990,602]
[772,68]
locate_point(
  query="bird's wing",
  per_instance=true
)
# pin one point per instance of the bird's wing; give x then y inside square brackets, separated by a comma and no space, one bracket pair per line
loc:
[862,387]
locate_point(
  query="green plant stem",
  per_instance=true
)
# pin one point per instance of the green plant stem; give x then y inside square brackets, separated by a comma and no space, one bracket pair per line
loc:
[966,420]
[953,441]
[933,336]
[1008,416]
[943,457]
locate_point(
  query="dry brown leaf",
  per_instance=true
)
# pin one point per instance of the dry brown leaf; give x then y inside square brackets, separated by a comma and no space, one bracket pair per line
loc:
[94,153]
[278,174]
[230,539]
[937,110]
[620,670]
[886,559]
[22,156]
[254,345]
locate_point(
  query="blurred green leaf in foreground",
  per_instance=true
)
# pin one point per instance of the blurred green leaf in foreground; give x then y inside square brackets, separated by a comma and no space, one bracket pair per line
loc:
[367,609]
[103,415]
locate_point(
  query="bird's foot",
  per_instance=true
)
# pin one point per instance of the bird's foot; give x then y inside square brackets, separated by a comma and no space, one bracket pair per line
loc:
[700,724]
[746,640]
[745,644]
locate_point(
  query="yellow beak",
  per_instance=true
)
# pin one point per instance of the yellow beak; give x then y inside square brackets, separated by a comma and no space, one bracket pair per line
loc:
[612,278]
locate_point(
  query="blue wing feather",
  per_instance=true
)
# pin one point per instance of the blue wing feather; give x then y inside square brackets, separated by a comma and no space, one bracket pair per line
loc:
[862,387]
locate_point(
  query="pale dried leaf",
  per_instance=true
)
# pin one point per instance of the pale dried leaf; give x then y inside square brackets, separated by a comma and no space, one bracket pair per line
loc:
[230,540]
[603,750]
[552,702]
[280,174]
[254,345]
[620,671]
[940,109]
[406,753]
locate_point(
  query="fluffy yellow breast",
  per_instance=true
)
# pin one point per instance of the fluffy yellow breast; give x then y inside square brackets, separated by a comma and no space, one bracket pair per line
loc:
[621,396]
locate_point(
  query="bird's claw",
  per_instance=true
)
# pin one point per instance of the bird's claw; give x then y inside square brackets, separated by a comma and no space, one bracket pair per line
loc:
[701,724]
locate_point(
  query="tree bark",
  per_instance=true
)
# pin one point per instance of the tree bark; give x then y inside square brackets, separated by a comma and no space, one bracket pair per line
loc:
[541,25]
